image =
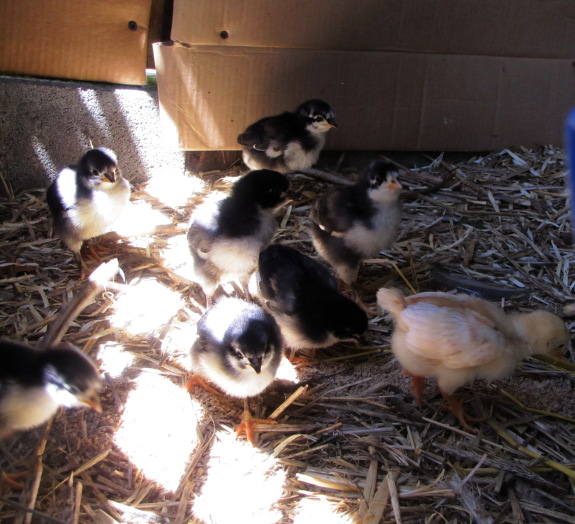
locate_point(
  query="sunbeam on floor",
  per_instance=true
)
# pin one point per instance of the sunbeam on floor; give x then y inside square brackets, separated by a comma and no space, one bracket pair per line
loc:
[159,429]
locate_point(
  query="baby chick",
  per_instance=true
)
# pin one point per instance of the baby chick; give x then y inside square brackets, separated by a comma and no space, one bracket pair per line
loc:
[349,224]
[34,384]
[457,338]
[290,141]
[302,296]
[226,235]
[86,200]
[239,349]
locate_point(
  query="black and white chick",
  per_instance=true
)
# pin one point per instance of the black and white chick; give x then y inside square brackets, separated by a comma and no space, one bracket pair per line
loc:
[302,296]
[239,349]
[86,200]
[349,224]
[34,384]
[289,141]
[227,234]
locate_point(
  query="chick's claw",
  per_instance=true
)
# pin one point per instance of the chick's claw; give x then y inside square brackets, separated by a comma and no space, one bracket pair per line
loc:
[10,480]
[455,406]
[247,425]
[197,380]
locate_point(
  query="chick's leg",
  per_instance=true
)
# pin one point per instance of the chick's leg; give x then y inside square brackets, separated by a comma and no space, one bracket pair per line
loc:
[304,359]
[456,408]
[10,480]
[351,290]
[369,309]
[417,384]
[248,422]
[82,266]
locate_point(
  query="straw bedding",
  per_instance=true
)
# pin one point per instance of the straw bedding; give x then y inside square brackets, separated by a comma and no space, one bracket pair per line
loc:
[349,439]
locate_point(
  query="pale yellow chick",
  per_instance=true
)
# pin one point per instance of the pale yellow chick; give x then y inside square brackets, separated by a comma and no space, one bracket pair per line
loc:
[457,338]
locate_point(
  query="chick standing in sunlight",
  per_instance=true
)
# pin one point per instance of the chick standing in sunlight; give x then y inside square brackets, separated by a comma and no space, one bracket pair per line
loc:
[457,338]
[238,348]
[227,235]
[86,200]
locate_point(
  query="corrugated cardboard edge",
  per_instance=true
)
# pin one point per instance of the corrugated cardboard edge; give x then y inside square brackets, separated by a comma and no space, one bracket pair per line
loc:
[76,40]
[383,101]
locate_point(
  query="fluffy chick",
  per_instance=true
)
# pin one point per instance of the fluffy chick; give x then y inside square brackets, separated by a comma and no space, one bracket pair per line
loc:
[239,349]
[349,224]
[457,338]
[303,297]
[289,141]
[227,234]
[34,384]
[87,199]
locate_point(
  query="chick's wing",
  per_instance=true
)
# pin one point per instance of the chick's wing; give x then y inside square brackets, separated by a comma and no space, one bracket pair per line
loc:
[335,212]
[268,134]
[454,337]
[201,240]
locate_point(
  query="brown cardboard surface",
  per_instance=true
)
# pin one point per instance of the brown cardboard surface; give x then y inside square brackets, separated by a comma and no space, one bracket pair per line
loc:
[383,100]
[518,28]
[76,40]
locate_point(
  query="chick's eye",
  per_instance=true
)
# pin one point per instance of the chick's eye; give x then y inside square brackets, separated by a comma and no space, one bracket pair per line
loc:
[74,390]
[236,353]
[94,172]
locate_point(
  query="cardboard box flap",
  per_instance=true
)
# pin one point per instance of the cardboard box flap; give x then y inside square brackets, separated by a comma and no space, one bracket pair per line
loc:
[383,101]
[520,28]
[98,41]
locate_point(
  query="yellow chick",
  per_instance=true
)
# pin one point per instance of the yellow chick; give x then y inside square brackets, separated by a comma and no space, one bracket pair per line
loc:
[457,338]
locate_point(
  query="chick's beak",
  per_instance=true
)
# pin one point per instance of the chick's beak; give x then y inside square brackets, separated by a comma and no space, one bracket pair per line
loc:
[393,183]
[93,402]
[256,363]
[331,122]
[109,176]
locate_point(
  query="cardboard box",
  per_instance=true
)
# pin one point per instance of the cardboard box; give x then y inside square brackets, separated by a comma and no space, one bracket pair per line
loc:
[520,28]
[445,75]
[103,40]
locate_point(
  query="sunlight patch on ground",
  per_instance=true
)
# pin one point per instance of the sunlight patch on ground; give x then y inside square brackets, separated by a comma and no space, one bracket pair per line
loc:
[114,360]
[287,371]
[176,256]
[145,307]
[178,342]
[243,484]
[138,219]
[158,431]
[174,189]
[314,510]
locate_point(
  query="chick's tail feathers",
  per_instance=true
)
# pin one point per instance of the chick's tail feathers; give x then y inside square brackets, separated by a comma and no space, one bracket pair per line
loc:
[392,300]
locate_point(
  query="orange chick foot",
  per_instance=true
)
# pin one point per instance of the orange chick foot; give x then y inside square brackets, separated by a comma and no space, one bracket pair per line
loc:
[301,360]
[247,424]
[10,480]
[456,408]
[196,380]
